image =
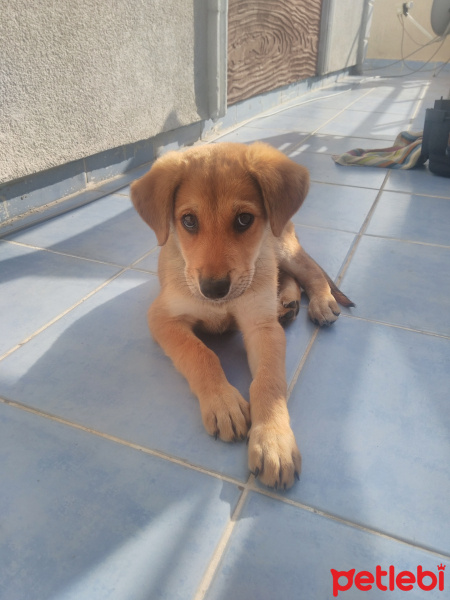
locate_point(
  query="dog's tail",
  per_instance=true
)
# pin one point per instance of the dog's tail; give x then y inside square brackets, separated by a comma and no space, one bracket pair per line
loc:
[338,295]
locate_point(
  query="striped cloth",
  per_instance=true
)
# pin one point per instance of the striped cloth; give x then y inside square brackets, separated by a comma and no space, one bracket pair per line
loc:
[404,154]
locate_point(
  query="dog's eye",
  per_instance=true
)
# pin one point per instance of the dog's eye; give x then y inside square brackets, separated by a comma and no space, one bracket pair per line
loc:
[189,222]
[243,221]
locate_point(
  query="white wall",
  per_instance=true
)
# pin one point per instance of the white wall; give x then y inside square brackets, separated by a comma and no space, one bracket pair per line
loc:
[386,33]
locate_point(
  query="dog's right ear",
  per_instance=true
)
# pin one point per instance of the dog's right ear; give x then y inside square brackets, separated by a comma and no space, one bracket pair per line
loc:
[283,183]
[153,195]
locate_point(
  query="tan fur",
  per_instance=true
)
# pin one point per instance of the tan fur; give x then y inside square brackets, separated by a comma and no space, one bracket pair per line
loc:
[260,269]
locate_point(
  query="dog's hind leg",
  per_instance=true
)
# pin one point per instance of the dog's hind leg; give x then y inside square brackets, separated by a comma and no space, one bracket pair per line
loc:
[322,292]
[288,298]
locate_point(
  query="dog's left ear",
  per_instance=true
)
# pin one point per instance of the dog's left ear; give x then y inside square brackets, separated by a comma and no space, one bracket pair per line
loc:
[283,183]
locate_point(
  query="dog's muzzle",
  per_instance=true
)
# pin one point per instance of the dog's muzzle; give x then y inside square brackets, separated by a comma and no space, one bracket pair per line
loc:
[215,289]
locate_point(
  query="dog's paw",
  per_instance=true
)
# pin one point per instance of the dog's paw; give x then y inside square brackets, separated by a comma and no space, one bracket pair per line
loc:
[273,455]
[323,310]
[289,295]
[287,311]
[226,415]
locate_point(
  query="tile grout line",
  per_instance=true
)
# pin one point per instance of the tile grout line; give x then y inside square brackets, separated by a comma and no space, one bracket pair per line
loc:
[395,326]
[63,314]
[365,187]
[361,232]
[373,235]
[60,253]
[406,241]
[339,113]
[343,110]
[301,364]
[122,270]
[221,547]
[297,223]
[338,280]
[326,515]
[121,441]
[345,185]
[84,258]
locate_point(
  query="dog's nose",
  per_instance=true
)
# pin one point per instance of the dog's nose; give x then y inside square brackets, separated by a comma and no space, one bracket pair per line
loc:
[215,288]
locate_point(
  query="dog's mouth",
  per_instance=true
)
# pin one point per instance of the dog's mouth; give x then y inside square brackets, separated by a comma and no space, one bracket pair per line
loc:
[219,290]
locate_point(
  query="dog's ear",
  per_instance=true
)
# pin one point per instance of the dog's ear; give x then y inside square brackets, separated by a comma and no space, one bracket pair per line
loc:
[283,183]
[153,195]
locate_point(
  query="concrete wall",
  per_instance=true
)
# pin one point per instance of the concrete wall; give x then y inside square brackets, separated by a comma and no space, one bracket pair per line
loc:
[343,28]
[386,33]
[78,77]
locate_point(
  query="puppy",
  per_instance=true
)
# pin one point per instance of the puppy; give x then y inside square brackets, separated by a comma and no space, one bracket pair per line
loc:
[230,259]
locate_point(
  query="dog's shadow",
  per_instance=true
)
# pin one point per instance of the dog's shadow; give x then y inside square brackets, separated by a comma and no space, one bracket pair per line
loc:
[98,369]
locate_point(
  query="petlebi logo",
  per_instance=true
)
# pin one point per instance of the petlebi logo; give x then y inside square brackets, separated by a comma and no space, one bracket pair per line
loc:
[388,580]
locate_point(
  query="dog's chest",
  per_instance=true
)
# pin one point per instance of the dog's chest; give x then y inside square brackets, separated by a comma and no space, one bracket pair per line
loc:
[207,316]
[217,324]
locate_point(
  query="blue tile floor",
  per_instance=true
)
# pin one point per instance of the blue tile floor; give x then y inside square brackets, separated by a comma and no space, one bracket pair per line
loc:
[110,487]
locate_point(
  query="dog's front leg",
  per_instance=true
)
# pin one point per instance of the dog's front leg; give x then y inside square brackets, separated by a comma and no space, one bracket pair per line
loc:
[273,455]
[225,413]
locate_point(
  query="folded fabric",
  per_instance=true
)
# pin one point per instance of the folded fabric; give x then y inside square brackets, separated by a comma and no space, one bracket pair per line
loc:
[404,154]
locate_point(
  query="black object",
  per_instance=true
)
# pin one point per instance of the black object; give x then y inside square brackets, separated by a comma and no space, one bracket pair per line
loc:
[436,132]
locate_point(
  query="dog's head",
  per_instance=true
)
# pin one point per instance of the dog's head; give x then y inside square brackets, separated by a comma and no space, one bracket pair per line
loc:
[217,200]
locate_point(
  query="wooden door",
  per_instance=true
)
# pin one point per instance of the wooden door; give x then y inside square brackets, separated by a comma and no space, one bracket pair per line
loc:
[271,43]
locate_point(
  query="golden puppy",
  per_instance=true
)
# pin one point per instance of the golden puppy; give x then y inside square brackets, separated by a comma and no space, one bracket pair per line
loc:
[230,259]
